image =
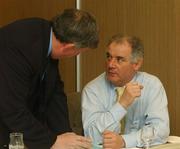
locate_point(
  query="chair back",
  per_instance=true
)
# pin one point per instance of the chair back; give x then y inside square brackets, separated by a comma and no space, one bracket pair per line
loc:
[75,114]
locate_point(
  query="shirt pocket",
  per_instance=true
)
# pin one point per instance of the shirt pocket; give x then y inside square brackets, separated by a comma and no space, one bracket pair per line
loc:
[135,125]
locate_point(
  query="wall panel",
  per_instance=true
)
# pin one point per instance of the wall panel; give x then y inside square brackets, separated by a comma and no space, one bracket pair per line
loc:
[176,103]
[156,22]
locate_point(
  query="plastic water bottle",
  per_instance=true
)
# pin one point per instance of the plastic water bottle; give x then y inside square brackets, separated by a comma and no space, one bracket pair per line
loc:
[16,141]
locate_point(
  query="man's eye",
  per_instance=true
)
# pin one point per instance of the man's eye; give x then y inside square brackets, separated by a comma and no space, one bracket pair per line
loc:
[108,56]
[120,59]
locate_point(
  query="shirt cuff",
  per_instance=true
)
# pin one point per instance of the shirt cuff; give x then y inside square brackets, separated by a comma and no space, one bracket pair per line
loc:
[130,140]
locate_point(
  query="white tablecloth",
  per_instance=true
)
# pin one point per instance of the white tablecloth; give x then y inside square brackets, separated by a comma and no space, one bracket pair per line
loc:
[167,146]
[163,146]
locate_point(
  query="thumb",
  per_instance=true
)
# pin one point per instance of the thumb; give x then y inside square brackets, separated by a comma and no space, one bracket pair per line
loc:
[107,132]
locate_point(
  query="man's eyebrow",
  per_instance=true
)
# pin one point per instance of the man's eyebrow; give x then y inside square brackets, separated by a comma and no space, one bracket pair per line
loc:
[120,57]
[107,53]
[117,57]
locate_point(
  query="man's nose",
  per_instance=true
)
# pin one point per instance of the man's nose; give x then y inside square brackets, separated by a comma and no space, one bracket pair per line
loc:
[112,62]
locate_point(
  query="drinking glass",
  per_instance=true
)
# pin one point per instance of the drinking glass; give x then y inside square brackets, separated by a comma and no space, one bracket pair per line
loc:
[147,135]
[16,141]
[96,136]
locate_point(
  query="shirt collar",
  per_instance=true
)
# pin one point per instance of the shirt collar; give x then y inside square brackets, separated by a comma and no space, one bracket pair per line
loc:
[134,79]
[50,43]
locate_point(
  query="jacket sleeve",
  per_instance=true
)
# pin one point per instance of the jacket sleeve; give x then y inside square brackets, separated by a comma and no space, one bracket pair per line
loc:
[15,74]
[57,109]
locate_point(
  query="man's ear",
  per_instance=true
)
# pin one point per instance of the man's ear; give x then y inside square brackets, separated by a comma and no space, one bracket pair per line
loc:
[68,45]
[138,64]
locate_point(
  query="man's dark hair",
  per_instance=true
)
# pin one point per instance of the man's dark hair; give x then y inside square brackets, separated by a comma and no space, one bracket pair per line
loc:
[76,26]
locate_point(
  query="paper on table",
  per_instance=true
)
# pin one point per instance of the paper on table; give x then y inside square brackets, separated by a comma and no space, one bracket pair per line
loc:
[173,139]
[167,146]
[131,148]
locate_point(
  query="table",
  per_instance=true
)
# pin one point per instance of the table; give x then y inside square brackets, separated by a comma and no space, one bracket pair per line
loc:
[163,146]
[167,146]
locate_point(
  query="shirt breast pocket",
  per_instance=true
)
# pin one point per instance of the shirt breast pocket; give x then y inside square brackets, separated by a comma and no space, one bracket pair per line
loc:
[135,125]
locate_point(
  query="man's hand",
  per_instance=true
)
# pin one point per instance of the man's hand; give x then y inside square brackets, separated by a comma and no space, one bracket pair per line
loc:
[112,140]
[131,91]
[71,141]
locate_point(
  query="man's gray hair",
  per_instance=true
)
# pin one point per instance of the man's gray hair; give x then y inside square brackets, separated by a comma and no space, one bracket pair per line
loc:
[133,41]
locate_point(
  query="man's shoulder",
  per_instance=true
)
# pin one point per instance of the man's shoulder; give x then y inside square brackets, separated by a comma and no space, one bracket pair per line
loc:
[148,75]
[148,78]
[31,19]
[26,22]
[99,80]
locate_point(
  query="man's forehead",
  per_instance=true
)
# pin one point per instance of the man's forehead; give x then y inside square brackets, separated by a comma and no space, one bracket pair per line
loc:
[121,43]
[125,46]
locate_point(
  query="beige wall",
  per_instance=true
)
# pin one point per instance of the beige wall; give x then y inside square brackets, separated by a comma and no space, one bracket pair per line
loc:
[175,102]
[157,23]
[11,10]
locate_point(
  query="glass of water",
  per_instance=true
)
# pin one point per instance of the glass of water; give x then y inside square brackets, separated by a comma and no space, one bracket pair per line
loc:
[16,141]
[147,135]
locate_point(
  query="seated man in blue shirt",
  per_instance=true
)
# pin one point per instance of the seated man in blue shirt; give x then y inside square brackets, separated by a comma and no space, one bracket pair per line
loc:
[143,100]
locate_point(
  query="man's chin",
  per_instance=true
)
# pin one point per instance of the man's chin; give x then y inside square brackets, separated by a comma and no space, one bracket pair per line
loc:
[112,75]
[112,79]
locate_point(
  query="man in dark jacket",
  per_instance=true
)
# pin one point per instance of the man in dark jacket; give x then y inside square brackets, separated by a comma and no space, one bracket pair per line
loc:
[32,98]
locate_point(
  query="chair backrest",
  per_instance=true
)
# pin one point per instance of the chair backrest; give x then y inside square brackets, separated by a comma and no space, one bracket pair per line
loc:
[75,114]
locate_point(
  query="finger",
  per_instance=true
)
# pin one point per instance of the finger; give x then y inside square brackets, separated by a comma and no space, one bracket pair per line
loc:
[137,84]
[141,87]
[107,132]
[84,142]
[83,139]
[69,134]
[85,145]
[107,141]
[134,83]
[107,135]
[107,145]
[137,87]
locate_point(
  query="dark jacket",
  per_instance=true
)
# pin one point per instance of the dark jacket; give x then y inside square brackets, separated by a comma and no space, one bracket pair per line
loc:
[32,100]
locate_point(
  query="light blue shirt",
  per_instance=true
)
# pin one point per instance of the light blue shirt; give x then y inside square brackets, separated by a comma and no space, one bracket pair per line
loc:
[50,44]
[49,51]
[101,111]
